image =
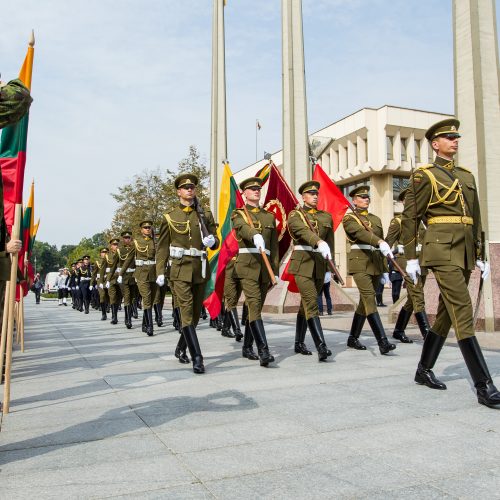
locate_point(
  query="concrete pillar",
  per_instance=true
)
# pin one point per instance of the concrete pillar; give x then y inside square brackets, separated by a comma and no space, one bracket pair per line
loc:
[477,106]
[218,146]
[361,144]
[297,168]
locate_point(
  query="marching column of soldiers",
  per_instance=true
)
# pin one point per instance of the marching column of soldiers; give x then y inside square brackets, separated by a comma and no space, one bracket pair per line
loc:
[438,231]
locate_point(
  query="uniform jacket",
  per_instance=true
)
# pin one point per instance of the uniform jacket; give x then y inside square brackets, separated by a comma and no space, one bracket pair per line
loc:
[145,250]
[111,264]
[119,264]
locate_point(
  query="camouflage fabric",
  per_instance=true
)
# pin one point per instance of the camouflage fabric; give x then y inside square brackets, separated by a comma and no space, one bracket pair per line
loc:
[15,100]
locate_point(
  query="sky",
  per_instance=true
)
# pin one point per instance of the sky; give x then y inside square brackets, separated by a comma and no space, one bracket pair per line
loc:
[122,86]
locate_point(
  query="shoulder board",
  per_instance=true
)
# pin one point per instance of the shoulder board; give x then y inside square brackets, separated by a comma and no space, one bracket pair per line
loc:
[424,167]
[170,210]
[237,211]
[348,216]
[465,169]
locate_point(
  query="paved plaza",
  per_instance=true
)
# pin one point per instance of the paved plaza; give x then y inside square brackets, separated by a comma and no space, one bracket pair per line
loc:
[99,411]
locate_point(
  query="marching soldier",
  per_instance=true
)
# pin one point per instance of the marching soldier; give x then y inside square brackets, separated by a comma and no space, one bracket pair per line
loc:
[126,279]
[181,241]
[145,272]
[445,196]
[114,291]
[366,249]
[71,284]
[232,292]
[76,286]
[98,273]
[312,249]
[415,302]
[84,277]
[255,236]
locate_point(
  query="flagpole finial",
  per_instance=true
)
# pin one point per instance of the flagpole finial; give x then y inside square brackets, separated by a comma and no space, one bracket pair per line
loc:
[31,41]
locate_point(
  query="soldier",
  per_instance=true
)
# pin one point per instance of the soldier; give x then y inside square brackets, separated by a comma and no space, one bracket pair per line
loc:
[445,196]
[312,249]
[145,272]
[415,301]
[98,274]
[113,287]
[71,284]
[76,286]
[182,242]
[126,280]
[255,236]
[232,292]
[366,248]
[84,277]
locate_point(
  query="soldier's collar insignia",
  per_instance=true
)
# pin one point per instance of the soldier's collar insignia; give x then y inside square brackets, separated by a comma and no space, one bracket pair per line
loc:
[363,212]
[187,209]
[255,209]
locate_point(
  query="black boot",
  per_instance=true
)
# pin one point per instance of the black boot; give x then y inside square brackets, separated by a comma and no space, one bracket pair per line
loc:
[128,317]
[423,323]
[433,344]
[357,325]
[247,350]
[378,330]
[193,345]
[487,393]
[158,315]
[87,306]
[401,324]
[259,335]
[103,312]
[244,314]
[180,351]
[300,335]
[149,322]
[218,322]
[135,313]
[235,324]
[114,314]
[144,321]
[226,327]
[203,313]
[177,319]
[379,298]
[316,330]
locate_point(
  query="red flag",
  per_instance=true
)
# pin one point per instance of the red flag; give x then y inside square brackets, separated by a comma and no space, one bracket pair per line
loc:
[330,197]
[280,200]
[286,276]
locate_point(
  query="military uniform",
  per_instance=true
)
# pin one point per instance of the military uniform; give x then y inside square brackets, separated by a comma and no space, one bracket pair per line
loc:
[98,276]
[250,266]
[445,196]
[181,242]
[84,277]
[366,264]
[144,255]
[415,292]
[309,267]
[232,293]
[114,290]
[76,286]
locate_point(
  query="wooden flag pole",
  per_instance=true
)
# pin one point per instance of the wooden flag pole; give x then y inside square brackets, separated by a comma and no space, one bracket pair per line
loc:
[16,322]
[3,340]
[21,320]
[12,299]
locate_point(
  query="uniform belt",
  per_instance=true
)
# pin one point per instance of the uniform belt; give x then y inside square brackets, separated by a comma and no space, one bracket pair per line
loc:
[306,248]
[130,270]
[451,219]
[252,250]
[362,246]
[108,269]
[141,263]
[85,279]
[179,252]
[98,276]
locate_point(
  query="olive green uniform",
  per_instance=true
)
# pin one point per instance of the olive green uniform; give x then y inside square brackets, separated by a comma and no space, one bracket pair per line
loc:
[250,268]
[306,263]
[143,254]
[364,261]
[128,285]
[452,242]
[180,234]
[114,291]
[232,286]
[415,301]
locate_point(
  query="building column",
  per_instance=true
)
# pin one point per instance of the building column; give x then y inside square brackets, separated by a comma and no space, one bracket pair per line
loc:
[477,106]
[296,164]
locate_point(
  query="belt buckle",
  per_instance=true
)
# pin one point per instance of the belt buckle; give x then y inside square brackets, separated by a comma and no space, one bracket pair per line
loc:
[192,252]
[464,219]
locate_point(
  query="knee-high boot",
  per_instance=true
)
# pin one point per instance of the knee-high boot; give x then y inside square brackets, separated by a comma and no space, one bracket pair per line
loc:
[433,344]
[259,335]
[193,345]
[300,335]
[149,322]
[423,323]
[357,326]
[180,350]
[316,330]
[400,327]
[378,331]
[235,324]
[247,349]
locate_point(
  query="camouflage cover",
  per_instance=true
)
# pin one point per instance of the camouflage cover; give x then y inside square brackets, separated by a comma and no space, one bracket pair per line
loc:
[15,100]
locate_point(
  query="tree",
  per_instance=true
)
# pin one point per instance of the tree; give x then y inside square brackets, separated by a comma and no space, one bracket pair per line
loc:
[87,246]
[46,256]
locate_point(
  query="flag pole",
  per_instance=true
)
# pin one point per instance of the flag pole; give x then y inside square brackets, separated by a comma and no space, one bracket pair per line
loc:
[4,332]
[256,136]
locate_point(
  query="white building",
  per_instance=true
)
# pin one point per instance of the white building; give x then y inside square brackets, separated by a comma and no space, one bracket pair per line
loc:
[372,146]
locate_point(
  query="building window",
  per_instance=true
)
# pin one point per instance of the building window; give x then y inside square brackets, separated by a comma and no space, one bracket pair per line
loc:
[399,184]
[404,146]
[390,147]
[417,150]
[347,188]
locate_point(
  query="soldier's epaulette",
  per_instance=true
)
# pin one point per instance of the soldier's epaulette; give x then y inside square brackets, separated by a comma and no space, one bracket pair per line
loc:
[424,167]
[170,210]
[237,211]
[465,169]
[347,216]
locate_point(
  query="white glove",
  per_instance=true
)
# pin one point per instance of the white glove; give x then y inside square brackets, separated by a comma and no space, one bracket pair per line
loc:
[328,277]
[484,268]
[119,280]
[107,284]
[208,241]
[385,249]
[385,279]
[258,241]
[160,280]
[401,249]
[413,269]
[277,279]
[91,287]
[101,286]
[324,249]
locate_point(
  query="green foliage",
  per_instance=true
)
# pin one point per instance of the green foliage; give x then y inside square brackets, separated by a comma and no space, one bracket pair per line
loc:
[87,246]
[47,258]
[51,295]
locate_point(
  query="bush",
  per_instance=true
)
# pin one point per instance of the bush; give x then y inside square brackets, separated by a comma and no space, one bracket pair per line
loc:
[52,295]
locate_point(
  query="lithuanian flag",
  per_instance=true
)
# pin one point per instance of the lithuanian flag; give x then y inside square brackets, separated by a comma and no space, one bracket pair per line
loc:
[230,199]
[13,150]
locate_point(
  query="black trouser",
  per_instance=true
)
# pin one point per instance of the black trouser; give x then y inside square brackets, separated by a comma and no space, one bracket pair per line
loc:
[326,291]
[38,291]
[62,293]
[396,289]
[85,293]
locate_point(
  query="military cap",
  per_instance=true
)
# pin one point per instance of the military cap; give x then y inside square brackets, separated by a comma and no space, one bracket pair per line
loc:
[448,126]
[185,179]
[113,241]
[309,186]
[86,257]
[360,191]
[146,221]
[126,233]
[73,264]
[103,249]
[251,182]
[402,194]
[79,260]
